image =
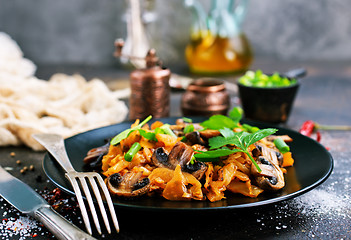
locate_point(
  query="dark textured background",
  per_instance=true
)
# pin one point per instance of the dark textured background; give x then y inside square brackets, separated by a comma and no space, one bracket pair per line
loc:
[83,31]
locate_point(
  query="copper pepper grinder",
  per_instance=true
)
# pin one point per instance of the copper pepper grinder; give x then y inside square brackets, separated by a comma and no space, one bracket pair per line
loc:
[150,90]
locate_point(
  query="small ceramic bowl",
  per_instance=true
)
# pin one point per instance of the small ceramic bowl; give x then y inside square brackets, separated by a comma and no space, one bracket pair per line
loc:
[271,105]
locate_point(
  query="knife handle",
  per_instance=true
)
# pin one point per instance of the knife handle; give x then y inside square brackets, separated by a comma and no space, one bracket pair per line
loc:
[59,226]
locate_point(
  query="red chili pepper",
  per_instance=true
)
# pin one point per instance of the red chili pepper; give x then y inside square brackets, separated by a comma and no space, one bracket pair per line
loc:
[319,136]
[307,128]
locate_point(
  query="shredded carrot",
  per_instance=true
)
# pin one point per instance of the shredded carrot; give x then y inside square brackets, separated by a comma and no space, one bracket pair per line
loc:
[287,159]
[156,125]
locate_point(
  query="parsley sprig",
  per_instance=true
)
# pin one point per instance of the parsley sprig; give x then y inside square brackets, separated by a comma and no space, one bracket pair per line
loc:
[242,140]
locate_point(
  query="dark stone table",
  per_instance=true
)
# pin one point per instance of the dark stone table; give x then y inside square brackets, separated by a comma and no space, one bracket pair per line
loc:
[323,213]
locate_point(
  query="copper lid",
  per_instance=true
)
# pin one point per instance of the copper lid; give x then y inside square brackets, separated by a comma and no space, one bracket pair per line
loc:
[153,73]
[207,85]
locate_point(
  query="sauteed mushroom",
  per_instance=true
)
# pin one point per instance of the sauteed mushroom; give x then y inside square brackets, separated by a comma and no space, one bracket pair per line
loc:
[257,151]
[197,169]
[160,158]
[209,133]
[130,185]
[178,129]
[95,155]
[180,154]
[195,138]
[280,158]
[271,177]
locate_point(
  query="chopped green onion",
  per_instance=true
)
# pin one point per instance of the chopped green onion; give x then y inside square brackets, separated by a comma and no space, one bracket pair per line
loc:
[132,151]
[187,120]
[165,128]
[189,128]
[281,145]
[259,79]
[192,160]
[249,128]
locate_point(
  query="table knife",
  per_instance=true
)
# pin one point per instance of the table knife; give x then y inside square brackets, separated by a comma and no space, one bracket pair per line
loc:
[27,201]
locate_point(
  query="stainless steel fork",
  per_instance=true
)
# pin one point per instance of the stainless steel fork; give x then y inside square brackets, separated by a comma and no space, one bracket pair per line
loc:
[55,145]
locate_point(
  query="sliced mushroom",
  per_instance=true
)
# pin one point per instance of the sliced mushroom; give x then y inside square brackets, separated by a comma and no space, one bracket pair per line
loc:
[197,169]
[96,152]
[130,185]
[93,160]
[178,129]
[286,138]
[256,152]
[271,177]
[209,133]
[195,138]
[160,158]
[181,154]
[280,158]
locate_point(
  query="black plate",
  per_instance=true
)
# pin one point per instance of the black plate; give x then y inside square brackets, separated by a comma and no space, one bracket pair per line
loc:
[313,165]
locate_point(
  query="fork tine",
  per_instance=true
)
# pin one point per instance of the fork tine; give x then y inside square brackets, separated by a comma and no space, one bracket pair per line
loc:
[90,202]
[82,207]
[99,200]
[109,201]
[56,146]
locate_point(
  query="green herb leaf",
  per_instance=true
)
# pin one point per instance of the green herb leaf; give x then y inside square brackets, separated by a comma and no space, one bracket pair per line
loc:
[229,137]
[217,122]
[148,135]
[215,153]
[217,142]
[254,137]
[227,133]
[121,136]
[240,139]
[189,128]
[236,114]
[126,132]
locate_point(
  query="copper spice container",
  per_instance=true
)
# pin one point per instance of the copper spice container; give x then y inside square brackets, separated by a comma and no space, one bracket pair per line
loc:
[150,90]
[205,97]
[150,93]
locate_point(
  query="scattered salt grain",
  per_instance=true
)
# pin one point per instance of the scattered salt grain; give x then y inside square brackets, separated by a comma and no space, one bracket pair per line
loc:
[322,202]
[23,226]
